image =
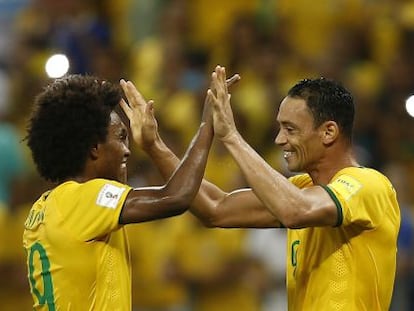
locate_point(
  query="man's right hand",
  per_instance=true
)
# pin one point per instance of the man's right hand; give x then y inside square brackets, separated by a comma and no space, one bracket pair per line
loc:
[224,124]
[211,93]
[144,127]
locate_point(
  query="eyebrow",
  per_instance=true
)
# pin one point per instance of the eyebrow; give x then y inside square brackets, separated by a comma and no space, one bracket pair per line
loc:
[288,123]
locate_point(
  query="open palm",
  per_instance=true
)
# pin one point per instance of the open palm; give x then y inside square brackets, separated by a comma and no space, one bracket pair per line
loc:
[144,127]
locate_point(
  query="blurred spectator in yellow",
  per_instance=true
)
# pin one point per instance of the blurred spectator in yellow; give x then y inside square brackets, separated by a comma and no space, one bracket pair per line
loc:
[14,288]
[153,247]
[268,249]
[217,270]
[208,27]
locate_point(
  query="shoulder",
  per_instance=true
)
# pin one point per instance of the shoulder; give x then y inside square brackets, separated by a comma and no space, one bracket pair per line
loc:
[99,183]
[93,187]
[356,179]
[301,180]
[364,174]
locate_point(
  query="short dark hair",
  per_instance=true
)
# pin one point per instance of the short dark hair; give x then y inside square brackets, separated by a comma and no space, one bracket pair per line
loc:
[70,116]
[327,100]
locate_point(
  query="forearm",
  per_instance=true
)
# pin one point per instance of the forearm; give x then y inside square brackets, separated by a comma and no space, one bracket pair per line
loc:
[208,195]
[195,158]
[187,177]
[164,159]
[270,186]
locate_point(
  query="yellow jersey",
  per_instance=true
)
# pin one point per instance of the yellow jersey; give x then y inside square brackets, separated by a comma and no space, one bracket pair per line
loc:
[77,253]
[350,266]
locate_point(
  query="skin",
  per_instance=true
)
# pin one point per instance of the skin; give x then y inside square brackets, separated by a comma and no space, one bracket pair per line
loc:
[112,156]
[109,160]
[321,151]
[301,144]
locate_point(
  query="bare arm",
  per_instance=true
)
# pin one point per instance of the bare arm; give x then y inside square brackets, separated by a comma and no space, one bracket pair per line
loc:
[292,206]
[173,198]
[214,207]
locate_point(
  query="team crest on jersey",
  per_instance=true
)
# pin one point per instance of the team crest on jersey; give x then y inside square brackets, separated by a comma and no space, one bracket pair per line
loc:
[109,196]
[346,185]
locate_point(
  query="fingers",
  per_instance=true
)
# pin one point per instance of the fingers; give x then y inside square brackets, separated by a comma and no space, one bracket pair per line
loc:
[219,83]
[232,80]
[135,99]
[125,107]
[150,108]
[221,77]
[150,104]
[210,98]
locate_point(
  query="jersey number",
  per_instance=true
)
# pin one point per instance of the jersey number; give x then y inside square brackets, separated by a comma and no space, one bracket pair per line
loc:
[47,297]
[294,258]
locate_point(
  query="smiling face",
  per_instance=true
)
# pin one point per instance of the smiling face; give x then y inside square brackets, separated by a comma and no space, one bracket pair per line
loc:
[114,152]
[301,142]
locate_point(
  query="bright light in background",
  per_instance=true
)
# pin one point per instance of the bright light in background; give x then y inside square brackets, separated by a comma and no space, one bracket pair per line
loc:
[57,66]
[409,105]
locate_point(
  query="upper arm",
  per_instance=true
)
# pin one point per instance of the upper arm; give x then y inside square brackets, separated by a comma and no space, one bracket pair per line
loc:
[238,209]
[319,208]
[151,203]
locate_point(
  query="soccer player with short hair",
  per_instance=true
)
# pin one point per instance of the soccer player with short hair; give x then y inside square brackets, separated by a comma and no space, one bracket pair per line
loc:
[342,219]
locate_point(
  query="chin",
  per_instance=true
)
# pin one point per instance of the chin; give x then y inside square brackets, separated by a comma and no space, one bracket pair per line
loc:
[123,177]
[295,168]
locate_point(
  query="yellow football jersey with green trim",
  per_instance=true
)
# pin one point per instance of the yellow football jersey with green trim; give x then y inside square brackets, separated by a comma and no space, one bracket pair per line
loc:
[77,253]
[350,266]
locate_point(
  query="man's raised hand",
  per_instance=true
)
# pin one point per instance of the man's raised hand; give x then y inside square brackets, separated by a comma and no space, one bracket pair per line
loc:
[144,127]
[224,125]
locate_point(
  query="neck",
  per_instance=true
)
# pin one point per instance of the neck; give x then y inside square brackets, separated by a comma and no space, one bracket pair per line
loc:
[326,169]
[78,179]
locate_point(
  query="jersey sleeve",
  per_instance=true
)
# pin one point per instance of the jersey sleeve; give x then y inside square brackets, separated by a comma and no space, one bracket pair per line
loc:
[301,180]
[360,199]
[94,209]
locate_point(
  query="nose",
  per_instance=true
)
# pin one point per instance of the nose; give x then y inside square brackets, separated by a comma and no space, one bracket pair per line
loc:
[127,152]
[280,138]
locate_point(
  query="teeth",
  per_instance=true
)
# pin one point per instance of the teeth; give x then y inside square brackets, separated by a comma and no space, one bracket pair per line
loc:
[287,154]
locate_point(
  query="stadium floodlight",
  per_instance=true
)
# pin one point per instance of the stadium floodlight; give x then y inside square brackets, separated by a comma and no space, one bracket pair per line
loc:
[409,105]
[57,66]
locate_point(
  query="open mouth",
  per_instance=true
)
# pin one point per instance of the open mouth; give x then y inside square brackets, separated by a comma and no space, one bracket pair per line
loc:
[287,154]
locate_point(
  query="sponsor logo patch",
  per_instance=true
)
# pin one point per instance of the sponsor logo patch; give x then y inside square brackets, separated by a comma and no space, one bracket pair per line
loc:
[346,185]
[109,196]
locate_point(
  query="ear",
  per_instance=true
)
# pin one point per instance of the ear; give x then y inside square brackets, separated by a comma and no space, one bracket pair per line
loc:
[330,132]
[94,152]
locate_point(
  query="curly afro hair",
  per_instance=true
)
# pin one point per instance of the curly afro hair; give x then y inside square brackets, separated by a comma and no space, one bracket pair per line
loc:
[70,116]
[327,100]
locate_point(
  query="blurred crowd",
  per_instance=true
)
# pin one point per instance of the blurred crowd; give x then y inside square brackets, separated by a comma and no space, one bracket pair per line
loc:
[169,48]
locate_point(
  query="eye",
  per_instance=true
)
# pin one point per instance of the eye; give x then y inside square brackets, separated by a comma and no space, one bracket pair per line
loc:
[289,129]
[123,136]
